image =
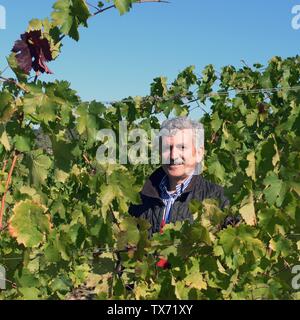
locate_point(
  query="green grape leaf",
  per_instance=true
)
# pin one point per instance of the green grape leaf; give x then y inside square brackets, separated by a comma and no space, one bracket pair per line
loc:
[23,143]
[29,223]
[123,5]
[69,15]
[30,293]
[39,165]
[6,107]
[276,188]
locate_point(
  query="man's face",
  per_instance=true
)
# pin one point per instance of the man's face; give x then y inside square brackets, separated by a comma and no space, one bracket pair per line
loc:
[179,155]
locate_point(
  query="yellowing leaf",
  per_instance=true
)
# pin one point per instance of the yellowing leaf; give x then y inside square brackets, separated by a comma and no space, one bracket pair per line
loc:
[195,278]
[250,171]
[30,293]
[4,140]
[29,224]
[61,176]
[296,187]
[31,192]
[276,157]
[247,210]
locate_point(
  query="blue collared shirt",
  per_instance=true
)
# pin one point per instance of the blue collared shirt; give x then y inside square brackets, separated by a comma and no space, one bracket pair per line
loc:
[170,197]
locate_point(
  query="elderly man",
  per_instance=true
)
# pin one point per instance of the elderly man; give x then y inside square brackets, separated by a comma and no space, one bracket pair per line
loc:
[168,191]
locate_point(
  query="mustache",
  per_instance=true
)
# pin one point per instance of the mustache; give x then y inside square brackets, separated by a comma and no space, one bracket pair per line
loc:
[176,161]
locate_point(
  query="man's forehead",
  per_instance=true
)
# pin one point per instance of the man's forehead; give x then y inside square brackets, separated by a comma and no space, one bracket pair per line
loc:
[184,135]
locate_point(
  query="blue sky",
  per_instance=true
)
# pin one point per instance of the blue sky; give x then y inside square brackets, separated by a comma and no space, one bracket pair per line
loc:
[118,56]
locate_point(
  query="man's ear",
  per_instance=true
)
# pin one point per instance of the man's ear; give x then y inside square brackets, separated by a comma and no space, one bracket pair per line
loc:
[199,154]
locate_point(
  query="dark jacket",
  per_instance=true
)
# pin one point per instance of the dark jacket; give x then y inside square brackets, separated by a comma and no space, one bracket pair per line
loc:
[152,206]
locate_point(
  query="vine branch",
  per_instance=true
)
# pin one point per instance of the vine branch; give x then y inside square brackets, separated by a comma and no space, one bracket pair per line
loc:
[15,82]
[10,282]
[6,188]
[113,6]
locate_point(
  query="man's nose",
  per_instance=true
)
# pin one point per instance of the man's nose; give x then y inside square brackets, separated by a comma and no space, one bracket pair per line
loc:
[174,154]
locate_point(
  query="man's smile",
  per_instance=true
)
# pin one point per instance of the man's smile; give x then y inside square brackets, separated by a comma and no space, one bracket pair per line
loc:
[173,165]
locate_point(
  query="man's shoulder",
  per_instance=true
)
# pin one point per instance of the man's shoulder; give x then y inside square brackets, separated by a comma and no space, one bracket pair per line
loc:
[204,188]
[209,186]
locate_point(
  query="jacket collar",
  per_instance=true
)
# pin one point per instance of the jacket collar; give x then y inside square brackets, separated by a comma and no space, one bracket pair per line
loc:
[151,186]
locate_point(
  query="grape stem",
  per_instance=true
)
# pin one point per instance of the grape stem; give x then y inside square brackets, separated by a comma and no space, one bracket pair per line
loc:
[113,6]
[6,188]
[15,82]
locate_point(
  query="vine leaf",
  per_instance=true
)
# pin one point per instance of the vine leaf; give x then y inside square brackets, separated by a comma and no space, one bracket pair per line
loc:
[123,5]
[194,278]
[69,15]
[6,108]
[29,224]
[250,170]
[247,210]
[276,188]
[4,140]
[39,165]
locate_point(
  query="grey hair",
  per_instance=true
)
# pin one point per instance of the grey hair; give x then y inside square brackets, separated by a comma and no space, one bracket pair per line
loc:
[170,127]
